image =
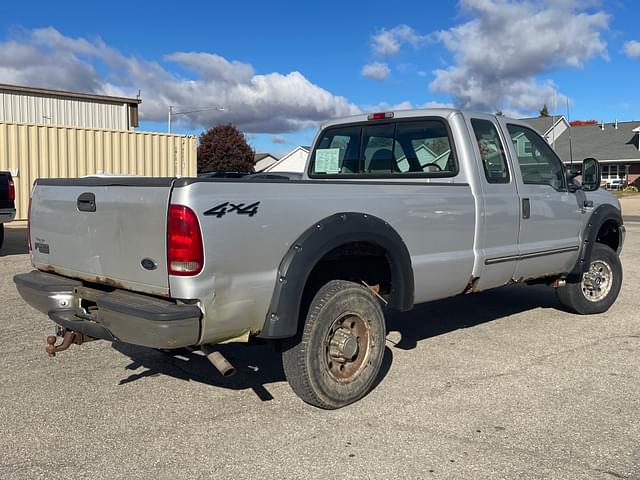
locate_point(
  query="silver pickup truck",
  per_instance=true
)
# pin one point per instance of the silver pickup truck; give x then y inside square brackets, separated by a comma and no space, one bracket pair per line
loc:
[394,209]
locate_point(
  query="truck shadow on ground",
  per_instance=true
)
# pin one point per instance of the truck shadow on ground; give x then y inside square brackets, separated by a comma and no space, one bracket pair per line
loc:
[15,241]
[260,365]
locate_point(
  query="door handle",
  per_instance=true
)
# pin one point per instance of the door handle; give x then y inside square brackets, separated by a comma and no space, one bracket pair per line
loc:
[87,202]
[526,208]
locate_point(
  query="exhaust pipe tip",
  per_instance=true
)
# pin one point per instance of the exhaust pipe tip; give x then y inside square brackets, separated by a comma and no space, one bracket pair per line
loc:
[220,362]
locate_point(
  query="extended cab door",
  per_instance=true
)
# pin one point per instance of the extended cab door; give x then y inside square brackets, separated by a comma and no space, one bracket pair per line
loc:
[499,224]
[550,217]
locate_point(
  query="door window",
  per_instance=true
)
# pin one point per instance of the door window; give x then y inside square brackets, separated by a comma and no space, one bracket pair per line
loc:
[539,164]
[494,160]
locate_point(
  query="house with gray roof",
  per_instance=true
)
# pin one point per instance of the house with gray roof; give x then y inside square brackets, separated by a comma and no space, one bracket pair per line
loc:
[550,128]
[616,146]
[263,161]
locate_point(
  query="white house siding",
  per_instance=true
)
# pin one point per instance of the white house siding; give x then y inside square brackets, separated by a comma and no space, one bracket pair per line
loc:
[554,133]
[57,110]
[295,161]
[265,163]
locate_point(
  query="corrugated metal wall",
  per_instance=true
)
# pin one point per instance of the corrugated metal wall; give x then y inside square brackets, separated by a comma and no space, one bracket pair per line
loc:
[42,151]
[57,110]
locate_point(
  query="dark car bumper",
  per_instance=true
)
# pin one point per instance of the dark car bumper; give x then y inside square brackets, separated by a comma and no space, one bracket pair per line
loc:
[114,315]
[7,215]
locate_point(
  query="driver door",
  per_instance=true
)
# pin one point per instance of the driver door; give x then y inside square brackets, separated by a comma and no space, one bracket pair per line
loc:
[550,216]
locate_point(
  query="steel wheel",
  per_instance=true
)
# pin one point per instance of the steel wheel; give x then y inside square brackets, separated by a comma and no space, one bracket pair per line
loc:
[347,347]
[336,359]
[596,283]
[597,288]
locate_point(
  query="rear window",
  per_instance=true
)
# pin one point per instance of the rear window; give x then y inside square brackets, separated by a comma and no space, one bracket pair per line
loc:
[411,148]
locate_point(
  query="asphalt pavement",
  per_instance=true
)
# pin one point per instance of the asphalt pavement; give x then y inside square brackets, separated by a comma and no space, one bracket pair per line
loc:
[500,384]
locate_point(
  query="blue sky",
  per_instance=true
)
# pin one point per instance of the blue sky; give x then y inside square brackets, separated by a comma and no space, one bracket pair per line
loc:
[279,68]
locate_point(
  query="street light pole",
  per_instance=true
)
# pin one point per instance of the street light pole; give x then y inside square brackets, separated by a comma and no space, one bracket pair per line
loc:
[173,113]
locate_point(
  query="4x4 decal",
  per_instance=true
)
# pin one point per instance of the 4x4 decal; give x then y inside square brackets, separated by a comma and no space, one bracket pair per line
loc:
[228,207]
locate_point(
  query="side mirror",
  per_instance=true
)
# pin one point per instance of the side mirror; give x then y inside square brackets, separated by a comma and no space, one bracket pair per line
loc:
[591,174]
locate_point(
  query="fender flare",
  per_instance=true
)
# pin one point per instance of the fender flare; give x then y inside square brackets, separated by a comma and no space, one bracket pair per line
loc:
[600,215]
[293,272]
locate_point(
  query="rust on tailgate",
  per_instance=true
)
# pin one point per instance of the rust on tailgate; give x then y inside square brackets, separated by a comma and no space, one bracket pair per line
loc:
[100,280]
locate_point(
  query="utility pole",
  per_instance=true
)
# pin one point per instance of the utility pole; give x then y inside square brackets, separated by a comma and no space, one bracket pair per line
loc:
[553,119]
[570,145]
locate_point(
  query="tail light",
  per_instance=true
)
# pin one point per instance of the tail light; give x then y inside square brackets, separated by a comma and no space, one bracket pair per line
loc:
[185,253]
[12,191]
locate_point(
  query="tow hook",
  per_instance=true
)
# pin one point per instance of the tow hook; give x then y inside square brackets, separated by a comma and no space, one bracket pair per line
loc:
[68,338]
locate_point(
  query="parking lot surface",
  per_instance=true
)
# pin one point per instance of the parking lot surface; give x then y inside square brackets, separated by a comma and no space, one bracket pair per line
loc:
[501,384]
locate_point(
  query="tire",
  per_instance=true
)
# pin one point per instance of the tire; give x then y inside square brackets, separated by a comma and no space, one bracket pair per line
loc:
[1,234]
[597,288]
[337,357]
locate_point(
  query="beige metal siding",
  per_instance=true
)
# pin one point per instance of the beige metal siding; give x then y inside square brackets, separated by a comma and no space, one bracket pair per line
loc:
[62,111]
[41,151]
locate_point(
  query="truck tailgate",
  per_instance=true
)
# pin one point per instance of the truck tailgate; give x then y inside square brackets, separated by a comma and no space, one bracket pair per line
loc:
[103,230]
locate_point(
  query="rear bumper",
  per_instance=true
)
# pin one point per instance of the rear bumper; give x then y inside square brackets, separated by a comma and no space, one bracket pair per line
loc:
[115,315]
[7,215]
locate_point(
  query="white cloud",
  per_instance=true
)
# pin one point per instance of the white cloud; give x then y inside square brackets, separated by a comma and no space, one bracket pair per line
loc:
[387,43]
[270,103]
[405,105]
[279,139]
[499,53]
[632,49]
[376,71]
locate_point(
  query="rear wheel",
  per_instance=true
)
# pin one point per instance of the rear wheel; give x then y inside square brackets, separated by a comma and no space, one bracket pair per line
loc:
[598,287]
[338,356]
[1,234]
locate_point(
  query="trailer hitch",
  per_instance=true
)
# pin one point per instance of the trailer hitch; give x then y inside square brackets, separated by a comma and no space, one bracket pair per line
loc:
[68,338]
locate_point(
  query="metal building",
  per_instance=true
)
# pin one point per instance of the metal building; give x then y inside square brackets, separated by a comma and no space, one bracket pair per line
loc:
[41,106]
[58,134]
[41,151]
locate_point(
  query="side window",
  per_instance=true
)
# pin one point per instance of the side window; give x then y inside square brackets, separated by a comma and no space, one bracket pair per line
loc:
[539,165]
[494,160]
[421,147]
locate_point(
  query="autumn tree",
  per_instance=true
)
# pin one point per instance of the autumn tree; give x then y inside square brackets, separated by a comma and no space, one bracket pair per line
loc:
[224,148]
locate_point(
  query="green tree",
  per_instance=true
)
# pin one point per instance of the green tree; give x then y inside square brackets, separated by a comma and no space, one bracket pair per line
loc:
[224,148]
[544,111]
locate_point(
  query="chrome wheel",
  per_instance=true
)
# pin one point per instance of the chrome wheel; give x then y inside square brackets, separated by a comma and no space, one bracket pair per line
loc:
[597,282]
[347,347]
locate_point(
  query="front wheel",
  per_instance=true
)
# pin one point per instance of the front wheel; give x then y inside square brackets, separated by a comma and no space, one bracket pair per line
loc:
[598,287]
[1,234]
[338,356]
